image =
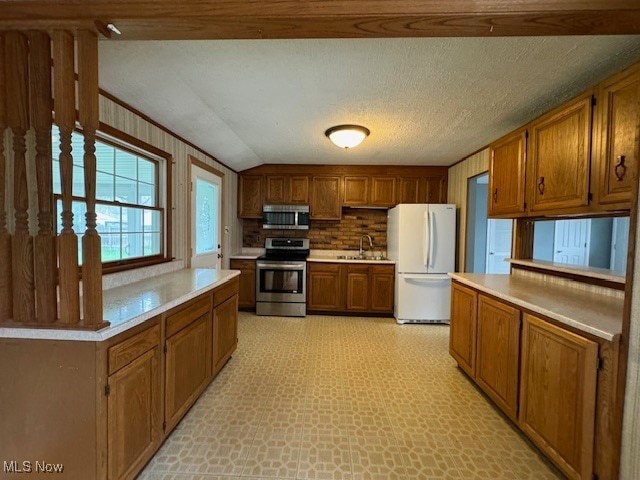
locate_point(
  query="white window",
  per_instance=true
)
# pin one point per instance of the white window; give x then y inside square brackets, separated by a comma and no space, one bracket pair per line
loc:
[130,217]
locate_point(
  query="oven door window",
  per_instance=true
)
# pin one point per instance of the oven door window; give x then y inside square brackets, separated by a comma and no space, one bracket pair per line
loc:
[273,280]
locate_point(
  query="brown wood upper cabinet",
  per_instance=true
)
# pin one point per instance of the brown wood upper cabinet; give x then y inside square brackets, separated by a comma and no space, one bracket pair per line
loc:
[410,190]
[356,190]
[328,188]
[507,175]
[373,191]
[286,189]
[250,196]
[559,156]
[616,132]
[421,189]
[326,198]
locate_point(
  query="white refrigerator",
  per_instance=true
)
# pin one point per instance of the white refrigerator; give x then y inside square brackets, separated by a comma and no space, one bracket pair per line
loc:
[421,239]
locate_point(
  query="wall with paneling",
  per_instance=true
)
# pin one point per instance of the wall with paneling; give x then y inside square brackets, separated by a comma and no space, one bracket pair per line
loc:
[459,175]
[630,461]
[122,119]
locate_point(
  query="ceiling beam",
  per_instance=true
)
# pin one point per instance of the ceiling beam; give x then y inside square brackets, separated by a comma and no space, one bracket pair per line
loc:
[199,19]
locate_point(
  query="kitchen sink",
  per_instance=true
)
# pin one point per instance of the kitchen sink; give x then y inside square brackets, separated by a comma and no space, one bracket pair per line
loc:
[356,257]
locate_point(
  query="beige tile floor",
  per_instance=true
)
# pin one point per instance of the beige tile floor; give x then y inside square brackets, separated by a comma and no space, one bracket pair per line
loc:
[344,398]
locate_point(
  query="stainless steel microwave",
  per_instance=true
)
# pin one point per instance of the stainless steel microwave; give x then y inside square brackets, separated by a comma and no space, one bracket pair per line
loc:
[285,217]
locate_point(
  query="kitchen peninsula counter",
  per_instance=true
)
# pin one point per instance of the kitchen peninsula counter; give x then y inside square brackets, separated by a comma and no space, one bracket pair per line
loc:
[130,305]
[88,394]
[596,314]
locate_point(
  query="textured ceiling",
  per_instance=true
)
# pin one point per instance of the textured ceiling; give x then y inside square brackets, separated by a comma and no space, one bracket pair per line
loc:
[427,101]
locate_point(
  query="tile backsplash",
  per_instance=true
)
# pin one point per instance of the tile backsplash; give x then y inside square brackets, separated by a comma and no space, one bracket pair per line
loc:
[325,234]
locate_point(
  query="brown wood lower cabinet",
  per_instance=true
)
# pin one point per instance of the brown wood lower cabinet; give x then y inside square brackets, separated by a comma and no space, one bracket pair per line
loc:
[134,407]
[350,287]
[498,353]
[110,404]
[187,359]
[358,287]
[382,286]
[558,394]
[225,331]
[324,289]
[247,295]
[550,381]
[462,335]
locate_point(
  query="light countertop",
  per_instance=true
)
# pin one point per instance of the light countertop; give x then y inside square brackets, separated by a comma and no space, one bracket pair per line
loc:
[332,259]
[130,305]
[247,254]
[598,315]
[330,256]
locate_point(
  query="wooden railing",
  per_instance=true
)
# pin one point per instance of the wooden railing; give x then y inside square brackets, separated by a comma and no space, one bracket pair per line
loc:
[39,275]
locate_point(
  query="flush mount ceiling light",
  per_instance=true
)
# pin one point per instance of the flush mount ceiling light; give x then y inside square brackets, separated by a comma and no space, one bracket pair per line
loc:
[347,136]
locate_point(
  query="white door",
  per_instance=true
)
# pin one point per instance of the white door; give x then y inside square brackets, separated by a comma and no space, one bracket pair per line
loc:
[408,230]
[206,218]
[571,242]
[441,238]
[619,244]
[422,298]
[498,245]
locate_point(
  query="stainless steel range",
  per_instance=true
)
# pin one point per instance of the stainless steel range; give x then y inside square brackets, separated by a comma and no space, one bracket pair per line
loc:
[281,283]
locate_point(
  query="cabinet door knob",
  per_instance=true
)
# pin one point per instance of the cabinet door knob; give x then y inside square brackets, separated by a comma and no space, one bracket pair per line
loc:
[495,196]
[620,168]
[541,185]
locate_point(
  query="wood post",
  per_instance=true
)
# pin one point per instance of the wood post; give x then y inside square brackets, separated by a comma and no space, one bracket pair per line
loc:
[88,100]
[44,243]
[17,78]
[6,300]
[523,239]
[65,115]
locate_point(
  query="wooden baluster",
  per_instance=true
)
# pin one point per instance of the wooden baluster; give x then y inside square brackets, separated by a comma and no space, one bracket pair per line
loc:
[65,113]
[88,101]
[44,242]
[17,78]
[6,300]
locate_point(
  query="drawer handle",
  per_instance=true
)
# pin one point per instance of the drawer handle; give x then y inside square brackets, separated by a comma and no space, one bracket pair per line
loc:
[541,185]
[495,196]
[620,168]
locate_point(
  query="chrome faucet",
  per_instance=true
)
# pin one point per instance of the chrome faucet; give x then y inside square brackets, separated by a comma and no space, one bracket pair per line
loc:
[361,253]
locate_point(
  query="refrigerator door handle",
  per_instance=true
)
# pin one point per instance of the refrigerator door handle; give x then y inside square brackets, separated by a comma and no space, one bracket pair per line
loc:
[426,278]
[432,227]
[426,235]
